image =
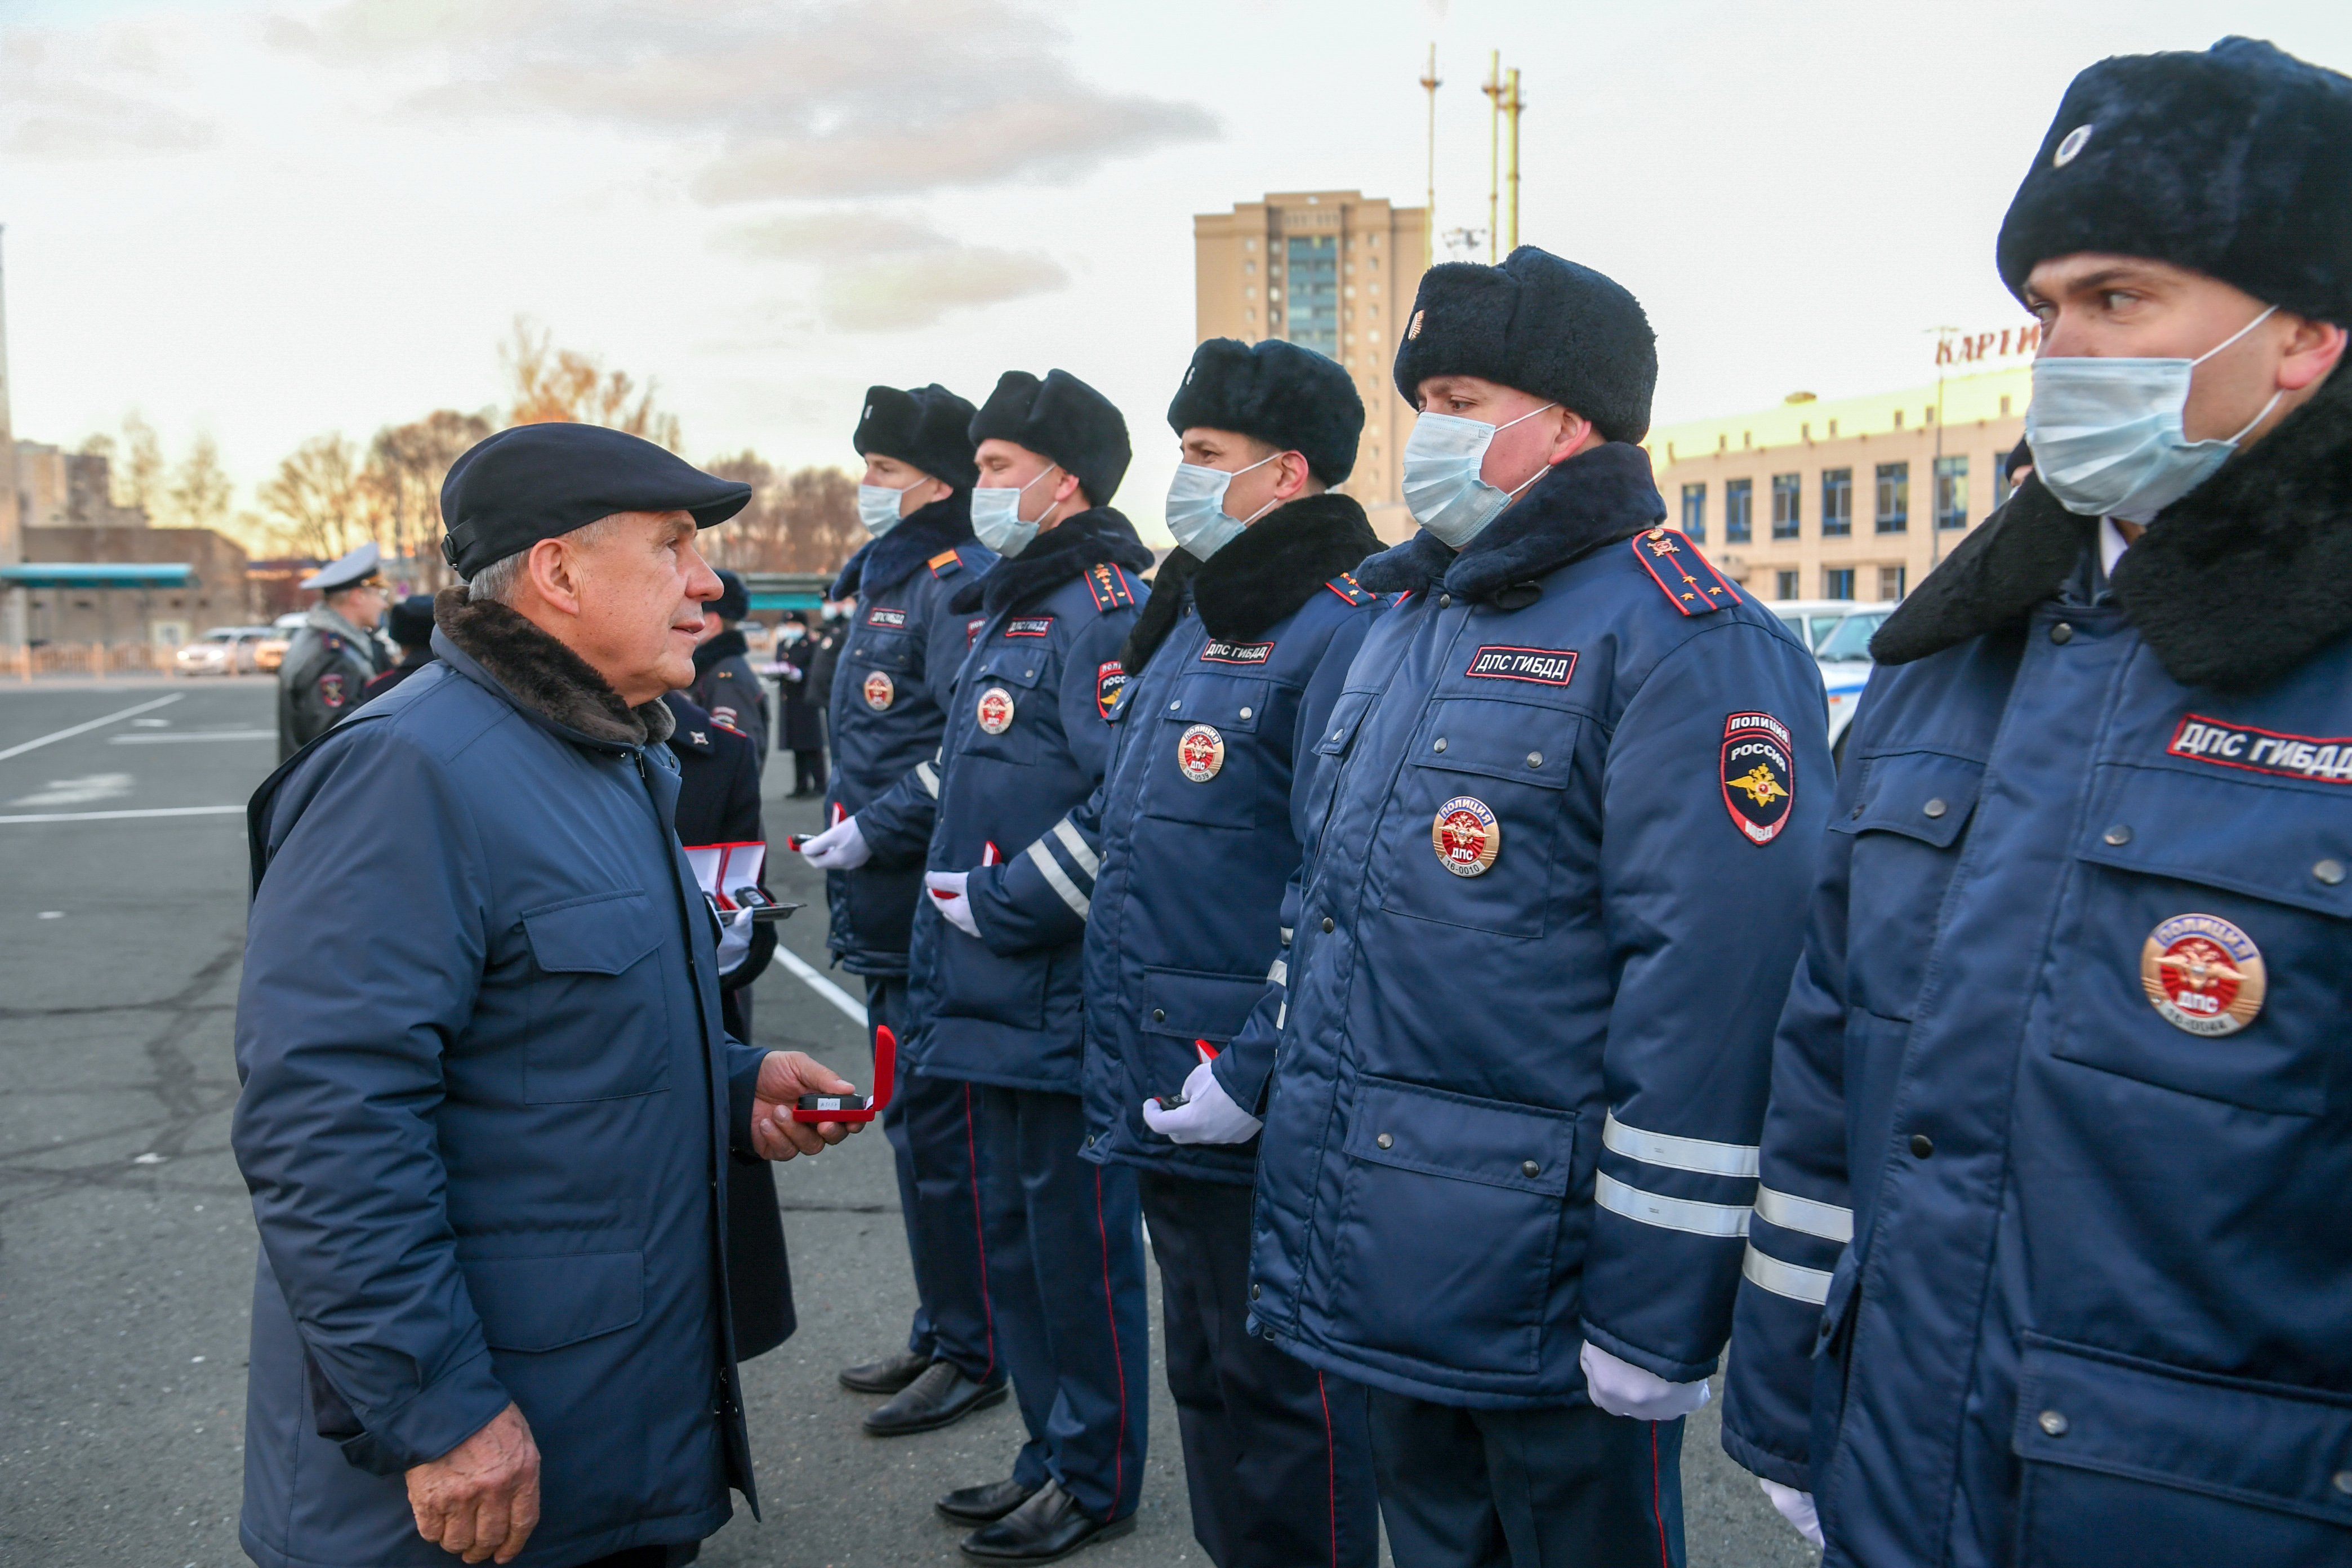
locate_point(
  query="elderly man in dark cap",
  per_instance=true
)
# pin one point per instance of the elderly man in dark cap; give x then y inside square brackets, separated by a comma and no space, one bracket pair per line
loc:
[724,684]
[335,653]
[488,1106]
[2049,1264]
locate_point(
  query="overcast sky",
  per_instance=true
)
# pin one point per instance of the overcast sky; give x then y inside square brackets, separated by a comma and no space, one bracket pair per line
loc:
[271,221]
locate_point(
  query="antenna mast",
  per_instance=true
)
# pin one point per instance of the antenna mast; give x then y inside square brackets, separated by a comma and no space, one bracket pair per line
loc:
[1494,92]
[1512,108]
[1430,83]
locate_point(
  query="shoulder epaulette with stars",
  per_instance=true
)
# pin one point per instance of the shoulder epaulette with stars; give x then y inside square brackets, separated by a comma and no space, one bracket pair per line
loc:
[946,562]
[1111,586]
[1355,593]
[1689,580]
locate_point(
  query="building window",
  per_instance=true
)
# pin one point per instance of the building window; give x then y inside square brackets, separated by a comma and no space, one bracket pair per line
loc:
[1738,510]
[1788,506]
[1784,584]
[1952,492]
[1891,580]
[1837,502]
[1837,581]
[1893,498]
[1898,419]
[2002,485]
[1694,511]
[2004,405]
[1315,293]
[1833,429]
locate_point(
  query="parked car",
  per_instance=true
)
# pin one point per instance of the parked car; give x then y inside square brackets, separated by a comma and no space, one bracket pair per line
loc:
[227,650]
[1845,656]
[1813,620]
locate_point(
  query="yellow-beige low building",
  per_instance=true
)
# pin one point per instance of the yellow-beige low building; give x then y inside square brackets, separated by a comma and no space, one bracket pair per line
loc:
[1855,497]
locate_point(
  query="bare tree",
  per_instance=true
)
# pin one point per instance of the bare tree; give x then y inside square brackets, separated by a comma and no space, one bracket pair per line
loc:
[139,477]
[551,386]
[320,499]
[201,491]
[405,466]
[802,522]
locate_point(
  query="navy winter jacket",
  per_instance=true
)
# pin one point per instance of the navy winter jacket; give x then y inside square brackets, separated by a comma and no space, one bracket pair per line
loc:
[1028,734]
[2050,1263]
[486,1116]
[1200,824]
[1575,785]
[889,701]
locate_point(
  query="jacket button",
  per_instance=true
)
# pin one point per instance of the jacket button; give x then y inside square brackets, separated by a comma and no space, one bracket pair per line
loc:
[1090,1139]
[1935,807]
[1253,1293]
[1385,1142]
[1856,812]
[1327,922]
[1440,746]
[1177,703]
[1245,712]
[1922,1145]
[1028,675]
[2342,1482]
[1535,759]
[1160,1015]
[2330,872]
[1444,601]
[2052,1422]
[1528,1167]
[2119,835]
[2062,633]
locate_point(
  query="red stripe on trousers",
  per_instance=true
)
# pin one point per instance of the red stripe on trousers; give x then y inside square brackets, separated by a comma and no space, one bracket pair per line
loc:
[1657,1500]
[980,1234]
[1331,1467]
[1110,1309]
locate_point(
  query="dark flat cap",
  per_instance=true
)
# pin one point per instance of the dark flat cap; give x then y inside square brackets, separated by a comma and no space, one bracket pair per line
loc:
[1542,325]
[1063,418]
[539,482]
[2235,162]
[927,427]
[410,622]
[1290,397]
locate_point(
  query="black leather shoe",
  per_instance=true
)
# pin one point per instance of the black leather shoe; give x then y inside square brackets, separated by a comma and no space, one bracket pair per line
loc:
[1046,1529]
[888,1375]
[941,1397]
[984,1504]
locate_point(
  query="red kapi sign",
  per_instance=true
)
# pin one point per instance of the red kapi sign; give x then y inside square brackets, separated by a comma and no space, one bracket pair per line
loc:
[1981,347]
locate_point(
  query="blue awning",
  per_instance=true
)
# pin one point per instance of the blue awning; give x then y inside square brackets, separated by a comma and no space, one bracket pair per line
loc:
[97,574]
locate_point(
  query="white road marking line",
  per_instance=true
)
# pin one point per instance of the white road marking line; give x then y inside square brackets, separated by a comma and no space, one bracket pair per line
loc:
[852,1008]
[157,811]
[19,750]
[84,791]
[151,739]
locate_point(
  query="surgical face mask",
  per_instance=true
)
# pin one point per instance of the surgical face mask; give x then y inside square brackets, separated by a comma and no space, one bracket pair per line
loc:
[1196,507]
[2107,432]
[792,634]
[996,517]
[878,506]
[1442,459]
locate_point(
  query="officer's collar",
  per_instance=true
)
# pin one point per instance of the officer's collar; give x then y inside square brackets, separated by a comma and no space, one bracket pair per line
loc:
[881,564]
[2232,586]
[1075,546]
[498,648]
[1593,499]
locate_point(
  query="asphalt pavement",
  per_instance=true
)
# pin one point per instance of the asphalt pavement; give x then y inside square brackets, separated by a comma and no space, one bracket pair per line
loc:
[127,1244]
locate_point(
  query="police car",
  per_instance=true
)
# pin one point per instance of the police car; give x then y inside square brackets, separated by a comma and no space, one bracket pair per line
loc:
[1845,656]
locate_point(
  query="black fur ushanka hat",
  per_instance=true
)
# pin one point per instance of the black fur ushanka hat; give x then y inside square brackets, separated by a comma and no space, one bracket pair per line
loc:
[929,427]
[1063,418]
[1292,398]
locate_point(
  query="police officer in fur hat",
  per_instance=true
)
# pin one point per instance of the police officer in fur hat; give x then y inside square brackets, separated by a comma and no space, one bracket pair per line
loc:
[334,655]
[2049,1262]
[1571,789]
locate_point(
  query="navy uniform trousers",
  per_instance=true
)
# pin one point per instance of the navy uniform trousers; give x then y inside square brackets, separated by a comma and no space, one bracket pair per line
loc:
[1276,1456]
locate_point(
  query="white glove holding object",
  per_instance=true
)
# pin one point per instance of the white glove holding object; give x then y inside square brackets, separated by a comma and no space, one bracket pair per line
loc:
[1207,1116]
[840,848]
[734,940]
[1624,1389]
[1797,1508]
[946,888]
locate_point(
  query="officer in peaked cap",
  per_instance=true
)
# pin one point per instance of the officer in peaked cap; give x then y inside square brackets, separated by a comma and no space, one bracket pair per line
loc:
[2049,1262]
[1570,793]
[335,654]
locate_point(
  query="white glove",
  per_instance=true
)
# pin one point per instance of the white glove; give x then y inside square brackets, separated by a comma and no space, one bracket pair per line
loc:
[1797,1508]
[1207,1116]
[946,888]
[734,940]
[840,848]
[1624,1389]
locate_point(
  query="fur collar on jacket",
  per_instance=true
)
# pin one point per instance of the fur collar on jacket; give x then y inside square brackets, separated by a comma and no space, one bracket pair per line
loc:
[543,675]
[1278,563]
[2232,585]
[729,644]
[1595,498]
[1096,535]
[881,564]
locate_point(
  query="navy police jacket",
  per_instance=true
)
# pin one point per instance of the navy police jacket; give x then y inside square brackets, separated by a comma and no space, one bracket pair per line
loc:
[1576,779]
[1200,824]
[887,709]
[2050,1263]
[1028,734]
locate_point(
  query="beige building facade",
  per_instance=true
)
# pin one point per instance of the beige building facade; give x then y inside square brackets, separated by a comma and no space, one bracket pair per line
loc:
[1334,271]
[1856,498]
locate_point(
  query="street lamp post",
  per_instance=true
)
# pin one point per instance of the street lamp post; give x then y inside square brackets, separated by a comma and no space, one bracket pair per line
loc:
[1494,92]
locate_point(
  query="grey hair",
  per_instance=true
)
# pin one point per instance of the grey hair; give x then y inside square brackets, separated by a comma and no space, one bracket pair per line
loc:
[498,580]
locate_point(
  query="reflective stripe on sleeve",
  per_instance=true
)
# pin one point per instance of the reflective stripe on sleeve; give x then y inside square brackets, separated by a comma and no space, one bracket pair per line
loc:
[1810,1286]
[1059,879]
[1791,1213]
[1669,1213]
[930,780]
[1076,843]
[1280,973]
[1678,1153]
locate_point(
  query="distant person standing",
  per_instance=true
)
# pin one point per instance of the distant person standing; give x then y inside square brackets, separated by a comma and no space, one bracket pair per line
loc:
[410,622]
[723,682]
[335,654]
[801,694]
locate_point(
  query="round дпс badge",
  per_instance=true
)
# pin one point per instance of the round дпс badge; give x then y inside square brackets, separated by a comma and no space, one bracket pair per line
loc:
[1200,753]
[1465,835]
[880,690]
[996,709]
[2204,974]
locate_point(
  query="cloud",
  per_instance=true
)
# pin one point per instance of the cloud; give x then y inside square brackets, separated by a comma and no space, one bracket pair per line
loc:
[99,94]
[820,98]
[881,272]
[830,235]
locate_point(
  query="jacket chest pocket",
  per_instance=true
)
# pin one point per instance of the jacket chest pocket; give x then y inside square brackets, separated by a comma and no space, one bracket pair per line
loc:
[599,1025]
[2206,944]
[880,666]
[1207,764]
[1906,822]
[1477,815]
[1007,699]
